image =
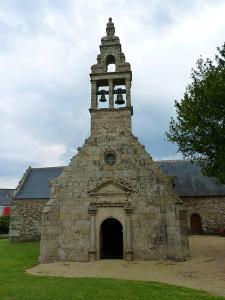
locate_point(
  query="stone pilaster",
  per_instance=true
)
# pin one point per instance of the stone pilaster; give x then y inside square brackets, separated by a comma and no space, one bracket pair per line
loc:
[94,99]
[129,248]
[92,250]
[128,95]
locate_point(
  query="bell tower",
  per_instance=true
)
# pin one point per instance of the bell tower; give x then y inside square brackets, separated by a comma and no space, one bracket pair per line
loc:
[112,200]
[110,88]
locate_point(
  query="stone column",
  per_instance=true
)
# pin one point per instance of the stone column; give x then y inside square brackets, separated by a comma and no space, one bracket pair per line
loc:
[92,250]
[129,248]
[94,99]
[111,95]
[128,96]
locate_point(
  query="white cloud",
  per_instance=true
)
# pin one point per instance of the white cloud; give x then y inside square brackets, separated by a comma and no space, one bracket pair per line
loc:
[9,182]
[165,61]
[22,148]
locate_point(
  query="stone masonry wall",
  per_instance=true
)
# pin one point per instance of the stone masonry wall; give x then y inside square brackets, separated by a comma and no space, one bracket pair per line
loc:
[112,176]
[211,211]
[111,122]
[25,219]
[155,217]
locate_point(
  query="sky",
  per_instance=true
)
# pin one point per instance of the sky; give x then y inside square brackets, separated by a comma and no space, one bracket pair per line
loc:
[46,51]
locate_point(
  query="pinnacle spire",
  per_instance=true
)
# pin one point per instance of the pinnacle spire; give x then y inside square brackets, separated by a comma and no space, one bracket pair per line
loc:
[110,29]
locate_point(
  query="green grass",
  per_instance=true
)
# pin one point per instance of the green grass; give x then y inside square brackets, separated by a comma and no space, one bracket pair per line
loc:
[15,284]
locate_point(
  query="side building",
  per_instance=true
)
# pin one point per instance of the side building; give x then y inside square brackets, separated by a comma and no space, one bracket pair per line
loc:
[29,199]
[5,201]
[203,197]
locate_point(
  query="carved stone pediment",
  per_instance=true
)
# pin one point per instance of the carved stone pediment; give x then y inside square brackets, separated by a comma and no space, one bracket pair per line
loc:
[110,187]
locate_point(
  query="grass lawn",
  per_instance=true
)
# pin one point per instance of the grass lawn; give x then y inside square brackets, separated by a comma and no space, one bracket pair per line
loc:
[16,284]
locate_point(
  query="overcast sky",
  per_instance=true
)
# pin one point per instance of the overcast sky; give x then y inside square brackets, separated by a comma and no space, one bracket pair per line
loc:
[47,48]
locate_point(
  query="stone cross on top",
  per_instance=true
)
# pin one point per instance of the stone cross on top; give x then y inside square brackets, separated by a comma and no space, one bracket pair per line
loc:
[111,86]
[110,29]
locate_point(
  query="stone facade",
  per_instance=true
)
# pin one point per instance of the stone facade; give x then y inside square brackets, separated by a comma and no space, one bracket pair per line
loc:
[131,189]
[113,177]
[25,220]
[211,211]
[26,216]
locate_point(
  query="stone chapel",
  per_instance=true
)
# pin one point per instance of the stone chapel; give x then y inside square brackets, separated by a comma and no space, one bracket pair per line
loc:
[112,200]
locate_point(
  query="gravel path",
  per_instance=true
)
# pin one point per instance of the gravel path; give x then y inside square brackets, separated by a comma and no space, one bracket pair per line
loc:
[204,271]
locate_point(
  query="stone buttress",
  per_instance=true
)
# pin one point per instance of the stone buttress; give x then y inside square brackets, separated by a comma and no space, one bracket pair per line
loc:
[112,177]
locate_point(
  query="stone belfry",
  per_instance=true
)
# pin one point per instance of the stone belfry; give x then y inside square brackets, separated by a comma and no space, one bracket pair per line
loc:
[101,77]
[112,200]
[111,88]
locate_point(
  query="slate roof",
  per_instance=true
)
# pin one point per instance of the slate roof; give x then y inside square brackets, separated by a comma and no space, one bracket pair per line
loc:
[36,184]
[189,181]
[6,197]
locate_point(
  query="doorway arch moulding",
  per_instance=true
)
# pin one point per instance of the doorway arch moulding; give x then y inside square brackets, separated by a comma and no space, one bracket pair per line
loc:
[110,199]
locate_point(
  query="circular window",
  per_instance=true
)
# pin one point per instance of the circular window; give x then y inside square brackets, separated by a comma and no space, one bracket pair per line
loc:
[110,159]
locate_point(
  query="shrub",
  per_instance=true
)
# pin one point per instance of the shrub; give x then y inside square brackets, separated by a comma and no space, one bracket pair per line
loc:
[4,224]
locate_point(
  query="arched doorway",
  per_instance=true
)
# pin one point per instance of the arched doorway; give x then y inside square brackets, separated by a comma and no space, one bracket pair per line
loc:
[196,224]
[111,239]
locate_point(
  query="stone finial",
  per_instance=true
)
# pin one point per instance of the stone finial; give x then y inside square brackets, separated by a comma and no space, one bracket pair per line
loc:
[110,29]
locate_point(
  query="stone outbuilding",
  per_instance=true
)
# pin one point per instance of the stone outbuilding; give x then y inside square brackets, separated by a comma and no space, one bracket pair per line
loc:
[203,197]
[29,199]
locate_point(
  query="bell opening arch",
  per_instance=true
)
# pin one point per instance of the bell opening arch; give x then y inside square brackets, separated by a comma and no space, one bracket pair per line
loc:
[110,63]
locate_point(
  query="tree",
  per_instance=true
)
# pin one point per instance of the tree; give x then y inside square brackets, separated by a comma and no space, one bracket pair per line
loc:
[199,127]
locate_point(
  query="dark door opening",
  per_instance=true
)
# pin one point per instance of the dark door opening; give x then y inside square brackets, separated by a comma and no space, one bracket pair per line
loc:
[111,239]
[196,224]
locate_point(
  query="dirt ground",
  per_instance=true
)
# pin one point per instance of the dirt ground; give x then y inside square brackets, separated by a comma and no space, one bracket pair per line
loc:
[204,271]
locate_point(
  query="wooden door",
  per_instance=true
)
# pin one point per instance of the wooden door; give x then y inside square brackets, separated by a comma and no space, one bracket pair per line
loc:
[196,224]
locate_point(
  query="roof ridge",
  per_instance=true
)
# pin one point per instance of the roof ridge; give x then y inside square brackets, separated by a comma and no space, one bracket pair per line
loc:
[22,181]
[48,167]
[173,160]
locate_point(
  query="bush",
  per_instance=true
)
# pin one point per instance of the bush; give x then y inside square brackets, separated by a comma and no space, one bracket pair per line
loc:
[4,224]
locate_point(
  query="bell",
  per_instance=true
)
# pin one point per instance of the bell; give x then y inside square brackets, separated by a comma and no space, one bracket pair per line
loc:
[119,99]
[102,98]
